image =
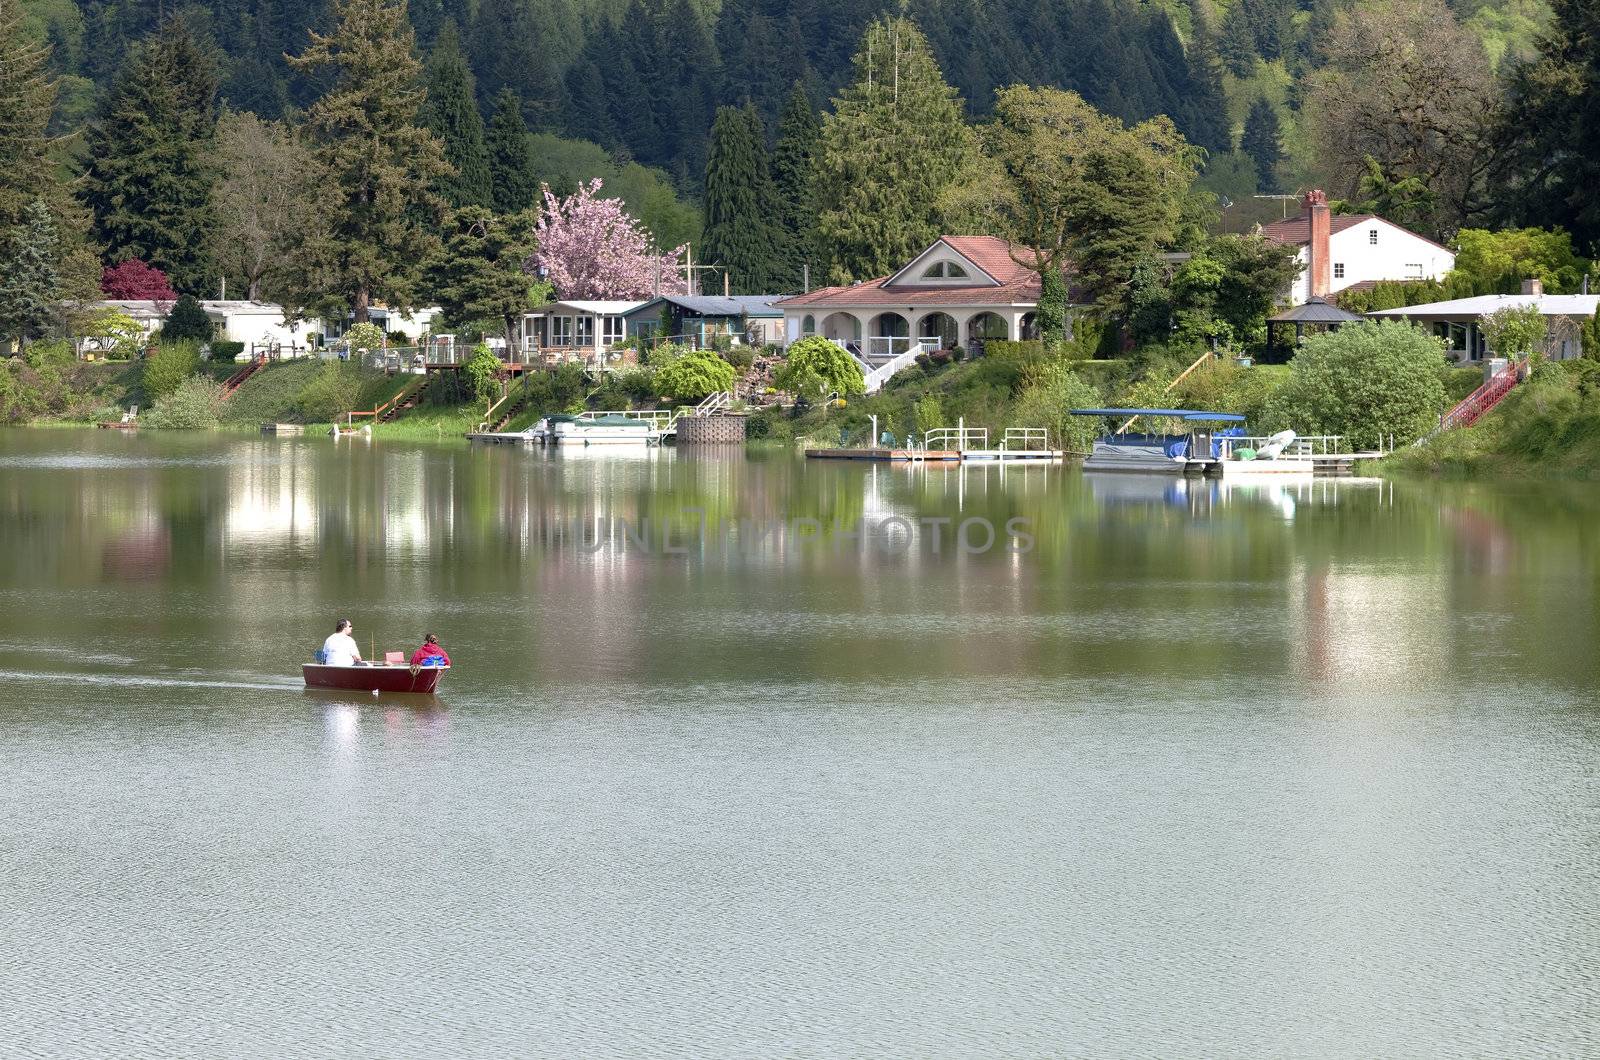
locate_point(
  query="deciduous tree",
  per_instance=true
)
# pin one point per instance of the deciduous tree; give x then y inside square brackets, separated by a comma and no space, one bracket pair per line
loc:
[134,280]
[1366,381]
[590,247]
[265,199]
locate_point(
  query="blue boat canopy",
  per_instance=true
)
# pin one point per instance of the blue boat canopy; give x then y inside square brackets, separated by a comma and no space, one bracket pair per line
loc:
[1182,414]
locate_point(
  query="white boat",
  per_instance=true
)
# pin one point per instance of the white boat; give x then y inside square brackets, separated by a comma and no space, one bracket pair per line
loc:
[1274,459]
[1194,451]
[601,430]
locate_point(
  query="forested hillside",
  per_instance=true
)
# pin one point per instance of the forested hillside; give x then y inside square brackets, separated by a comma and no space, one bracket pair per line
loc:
[642,78]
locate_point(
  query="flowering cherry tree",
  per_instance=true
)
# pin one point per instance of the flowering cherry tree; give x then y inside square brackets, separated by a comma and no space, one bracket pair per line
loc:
[133,280]
[593,249]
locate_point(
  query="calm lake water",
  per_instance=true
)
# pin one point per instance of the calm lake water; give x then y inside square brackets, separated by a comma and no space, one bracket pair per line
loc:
[1205,771]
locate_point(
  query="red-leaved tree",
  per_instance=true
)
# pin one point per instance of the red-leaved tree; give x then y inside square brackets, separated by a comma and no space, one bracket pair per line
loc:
[594,249]
[133,280]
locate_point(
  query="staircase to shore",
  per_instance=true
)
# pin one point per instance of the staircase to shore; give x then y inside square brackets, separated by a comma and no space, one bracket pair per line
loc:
[237,379]
[1475,405]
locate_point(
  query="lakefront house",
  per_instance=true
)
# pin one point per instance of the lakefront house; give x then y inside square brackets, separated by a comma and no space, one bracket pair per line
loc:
[1340,251]
[961,291]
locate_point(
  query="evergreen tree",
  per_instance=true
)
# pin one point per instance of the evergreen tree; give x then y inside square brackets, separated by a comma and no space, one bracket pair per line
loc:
[794,167]
[30,285]
[149,179]
[1116,223]
[1263,143]
[894,142]
[1238,43]
[1202,112]
[377,223]
[187,320]
[738,233]
[478,273]
[512,48]
[27,96]
[452,113]
[514,172]
[1554,127]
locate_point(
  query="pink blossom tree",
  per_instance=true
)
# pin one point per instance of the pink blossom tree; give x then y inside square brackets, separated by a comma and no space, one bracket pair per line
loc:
[133,281]
[592,248]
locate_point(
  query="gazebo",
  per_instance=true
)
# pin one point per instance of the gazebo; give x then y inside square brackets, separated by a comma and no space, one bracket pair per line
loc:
[1316,314]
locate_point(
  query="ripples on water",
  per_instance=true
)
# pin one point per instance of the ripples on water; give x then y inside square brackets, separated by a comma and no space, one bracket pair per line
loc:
[1323,785]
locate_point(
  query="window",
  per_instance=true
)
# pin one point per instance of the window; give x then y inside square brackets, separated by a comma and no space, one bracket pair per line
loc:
[808,325]
[1372,237]
[1338,270]
[561,331]
[585,331]
[612,330]
[944,270]
[1414,271]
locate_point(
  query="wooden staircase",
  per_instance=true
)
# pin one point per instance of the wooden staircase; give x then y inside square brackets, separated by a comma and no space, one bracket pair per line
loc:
[410,397]
[236,380]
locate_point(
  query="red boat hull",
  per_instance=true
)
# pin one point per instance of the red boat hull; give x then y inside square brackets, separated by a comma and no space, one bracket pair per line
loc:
[424,680]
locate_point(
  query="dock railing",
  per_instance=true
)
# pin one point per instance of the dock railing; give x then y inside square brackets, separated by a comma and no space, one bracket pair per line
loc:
[957,438]
[1304,446]
[1026,438]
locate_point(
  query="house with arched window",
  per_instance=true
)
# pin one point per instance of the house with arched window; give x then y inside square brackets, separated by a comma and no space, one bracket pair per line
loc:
[962,291]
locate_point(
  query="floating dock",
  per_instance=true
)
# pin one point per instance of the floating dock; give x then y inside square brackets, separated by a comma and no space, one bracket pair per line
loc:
[940,456]
[283,428]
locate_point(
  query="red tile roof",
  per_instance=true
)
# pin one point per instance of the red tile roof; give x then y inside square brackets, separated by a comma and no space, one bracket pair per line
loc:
[1017,283]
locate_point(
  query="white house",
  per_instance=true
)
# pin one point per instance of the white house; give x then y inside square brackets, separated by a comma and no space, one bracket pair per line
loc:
[580,330]
[1456,321]
[1339,251]
[960,291]
[262,325]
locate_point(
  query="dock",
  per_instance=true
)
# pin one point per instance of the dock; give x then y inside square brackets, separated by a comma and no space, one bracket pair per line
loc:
[932,456]
[499,437]
[285,429]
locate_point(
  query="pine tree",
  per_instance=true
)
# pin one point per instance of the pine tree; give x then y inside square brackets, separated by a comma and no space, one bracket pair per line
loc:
[478,273]
[149,176]
[1263,143]
[794,167]
[894,142]
[452,113]
[187,320]
[1237,45]
[738,232]
[514,172]
[30,286]
[378,221]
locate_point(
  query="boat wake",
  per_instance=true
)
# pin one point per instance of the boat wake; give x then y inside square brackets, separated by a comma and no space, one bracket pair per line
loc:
[124,680]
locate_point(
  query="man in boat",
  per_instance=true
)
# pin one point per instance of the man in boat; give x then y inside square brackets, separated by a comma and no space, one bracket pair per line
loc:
[430,654]
[340,647]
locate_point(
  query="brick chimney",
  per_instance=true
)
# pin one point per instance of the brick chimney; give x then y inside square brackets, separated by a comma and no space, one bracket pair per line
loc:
[1533,286]
[1319,269]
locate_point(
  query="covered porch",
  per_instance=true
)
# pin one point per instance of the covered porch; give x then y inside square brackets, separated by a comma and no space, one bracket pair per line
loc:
[880,335]
[583,331]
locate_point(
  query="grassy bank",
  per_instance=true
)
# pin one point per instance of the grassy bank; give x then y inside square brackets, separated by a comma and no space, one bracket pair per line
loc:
[1546,427]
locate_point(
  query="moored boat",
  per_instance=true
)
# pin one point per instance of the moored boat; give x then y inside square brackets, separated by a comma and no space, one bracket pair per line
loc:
[599,430]
[423,680]
[1193,451]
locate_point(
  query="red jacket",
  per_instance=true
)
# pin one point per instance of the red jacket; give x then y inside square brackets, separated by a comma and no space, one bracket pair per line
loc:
[429,651]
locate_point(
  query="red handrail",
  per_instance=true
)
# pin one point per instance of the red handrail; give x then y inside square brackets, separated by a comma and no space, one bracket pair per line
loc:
[1486,397]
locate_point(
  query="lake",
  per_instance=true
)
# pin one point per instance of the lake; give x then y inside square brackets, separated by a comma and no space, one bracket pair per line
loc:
[1162,769]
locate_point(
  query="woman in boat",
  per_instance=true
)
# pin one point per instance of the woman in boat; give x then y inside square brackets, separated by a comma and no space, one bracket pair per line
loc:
[430,654]
[340,647]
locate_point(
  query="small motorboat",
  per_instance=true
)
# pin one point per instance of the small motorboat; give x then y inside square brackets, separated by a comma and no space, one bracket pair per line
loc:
[386,677]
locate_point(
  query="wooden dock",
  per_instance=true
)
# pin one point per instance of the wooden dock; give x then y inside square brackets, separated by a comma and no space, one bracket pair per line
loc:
[942,456]
[286,429]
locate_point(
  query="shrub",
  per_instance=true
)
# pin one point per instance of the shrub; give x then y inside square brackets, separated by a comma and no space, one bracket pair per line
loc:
[166,367]
[226,350]
[1049,393]
[334,390]
[741,357]
[195,405]
[694,375]
[637,383]
[187,321]
[364,337]
[1025,350]
[664,354]
[1366,381]
[816,367]
[482,373]
[1514,331]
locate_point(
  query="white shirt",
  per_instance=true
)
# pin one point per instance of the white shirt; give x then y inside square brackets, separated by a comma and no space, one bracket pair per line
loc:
[340,650]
